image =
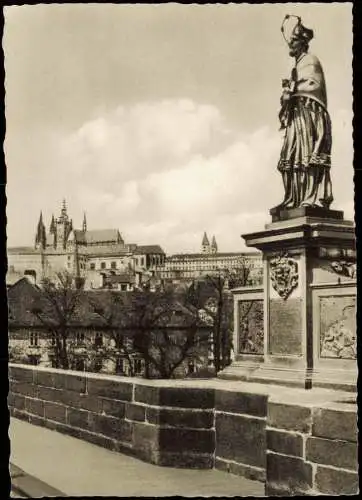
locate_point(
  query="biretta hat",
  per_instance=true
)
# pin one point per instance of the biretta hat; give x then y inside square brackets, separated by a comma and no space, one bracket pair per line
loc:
[293,29]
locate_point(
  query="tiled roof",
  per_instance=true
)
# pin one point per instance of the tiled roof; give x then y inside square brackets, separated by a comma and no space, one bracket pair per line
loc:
[104,250]
[147,249]
[212,256]
[23,297]
[102,235]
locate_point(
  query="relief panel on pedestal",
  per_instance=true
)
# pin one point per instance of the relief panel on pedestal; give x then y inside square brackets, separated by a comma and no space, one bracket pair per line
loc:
[338,327]
[251,327]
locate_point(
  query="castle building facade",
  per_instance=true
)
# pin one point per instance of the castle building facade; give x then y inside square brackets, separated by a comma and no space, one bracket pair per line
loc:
[209,261]
[97,257]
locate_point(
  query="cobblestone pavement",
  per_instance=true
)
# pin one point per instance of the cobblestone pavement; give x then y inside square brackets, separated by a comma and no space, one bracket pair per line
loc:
[79,468]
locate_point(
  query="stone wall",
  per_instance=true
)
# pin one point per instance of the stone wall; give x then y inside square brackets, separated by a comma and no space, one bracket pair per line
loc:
[162,425]
[311,450]
[294,448]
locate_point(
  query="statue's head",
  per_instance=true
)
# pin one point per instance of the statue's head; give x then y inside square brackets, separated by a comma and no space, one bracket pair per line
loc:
[298,36]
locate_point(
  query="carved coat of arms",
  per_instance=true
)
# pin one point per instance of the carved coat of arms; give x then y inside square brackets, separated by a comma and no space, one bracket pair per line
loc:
[284,275]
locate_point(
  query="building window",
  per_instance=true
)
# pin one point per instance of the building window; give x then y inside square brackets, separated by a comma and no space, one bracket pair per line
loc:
[98,339]
[98,365]
[92,266]
[103,265]
[124,288]
[137,365]
[113,265]
[79,365]
[33,338]
[79,338]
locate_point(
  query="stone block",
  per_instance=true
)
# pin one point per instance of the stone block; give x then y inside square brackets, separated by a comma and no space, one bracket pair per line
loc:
[45,378]
[290,417]
[248,471]
[87,402]
[147,394]
[34,406]
[50,394]
[110,427]
[288,443]
[78,418]
[122,391]
[145,440]
[180,418]
[54,411]
[336,482]
[20,414]
[290,474]
[186,440]
[135,412]
[98,440]
[332,452]
[243,403]
[335,424]
[16,401]
[36,420]
[179,397]
[112,407]
[240,439]
[21,374]
[24,388]
[184,460]
[76,383]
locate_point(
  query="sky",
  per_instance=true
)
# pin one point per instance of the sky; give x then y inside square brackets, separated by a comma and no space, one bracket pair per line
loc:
[161,120]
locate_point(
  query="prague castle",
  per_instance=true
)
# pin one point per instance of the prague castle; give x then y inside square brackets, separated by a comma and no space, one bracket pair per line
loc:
[100,258]
[95,256]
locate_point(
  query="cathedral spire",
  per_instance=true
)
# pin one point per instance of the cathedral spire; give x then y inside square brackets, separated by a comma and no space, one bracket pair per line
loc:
[205,245]
[52,226]
[213,245]
[84,226]
[40,237]
[64,208]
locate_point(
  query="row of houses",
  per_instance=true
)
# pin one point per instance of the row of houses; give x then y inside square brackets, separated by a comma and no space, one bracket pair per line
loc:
[100,336]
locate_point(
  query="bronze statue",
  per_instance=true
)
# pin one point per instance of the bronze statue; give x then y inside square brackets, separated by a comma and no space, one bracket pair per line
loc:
[305,158]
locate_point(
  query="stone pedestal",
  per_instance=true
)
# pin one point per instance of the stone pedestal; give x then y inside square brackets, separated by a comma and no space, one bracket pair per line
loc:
[309,302]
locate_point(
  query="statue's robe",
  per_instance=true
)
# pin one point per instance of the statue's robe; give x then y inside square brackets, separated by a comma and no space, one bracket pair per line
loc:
[305,158]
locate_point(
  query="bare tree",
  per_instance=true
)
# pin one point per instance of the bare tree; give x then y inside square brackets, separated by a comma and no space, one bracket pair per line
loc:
[167,330]
[164,330]
[113,313]
[56,309]
[212,295]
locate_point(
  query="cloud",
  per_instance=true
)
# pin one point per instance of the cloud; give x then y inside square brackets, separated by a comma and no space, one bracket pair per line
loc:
[165,171]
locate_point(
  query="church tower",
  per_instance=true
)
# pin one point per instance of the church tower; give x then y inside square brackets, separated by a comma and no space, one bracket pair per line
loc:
[205,245]
[213,245]
[84,225]
[63,228]
[40,237]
